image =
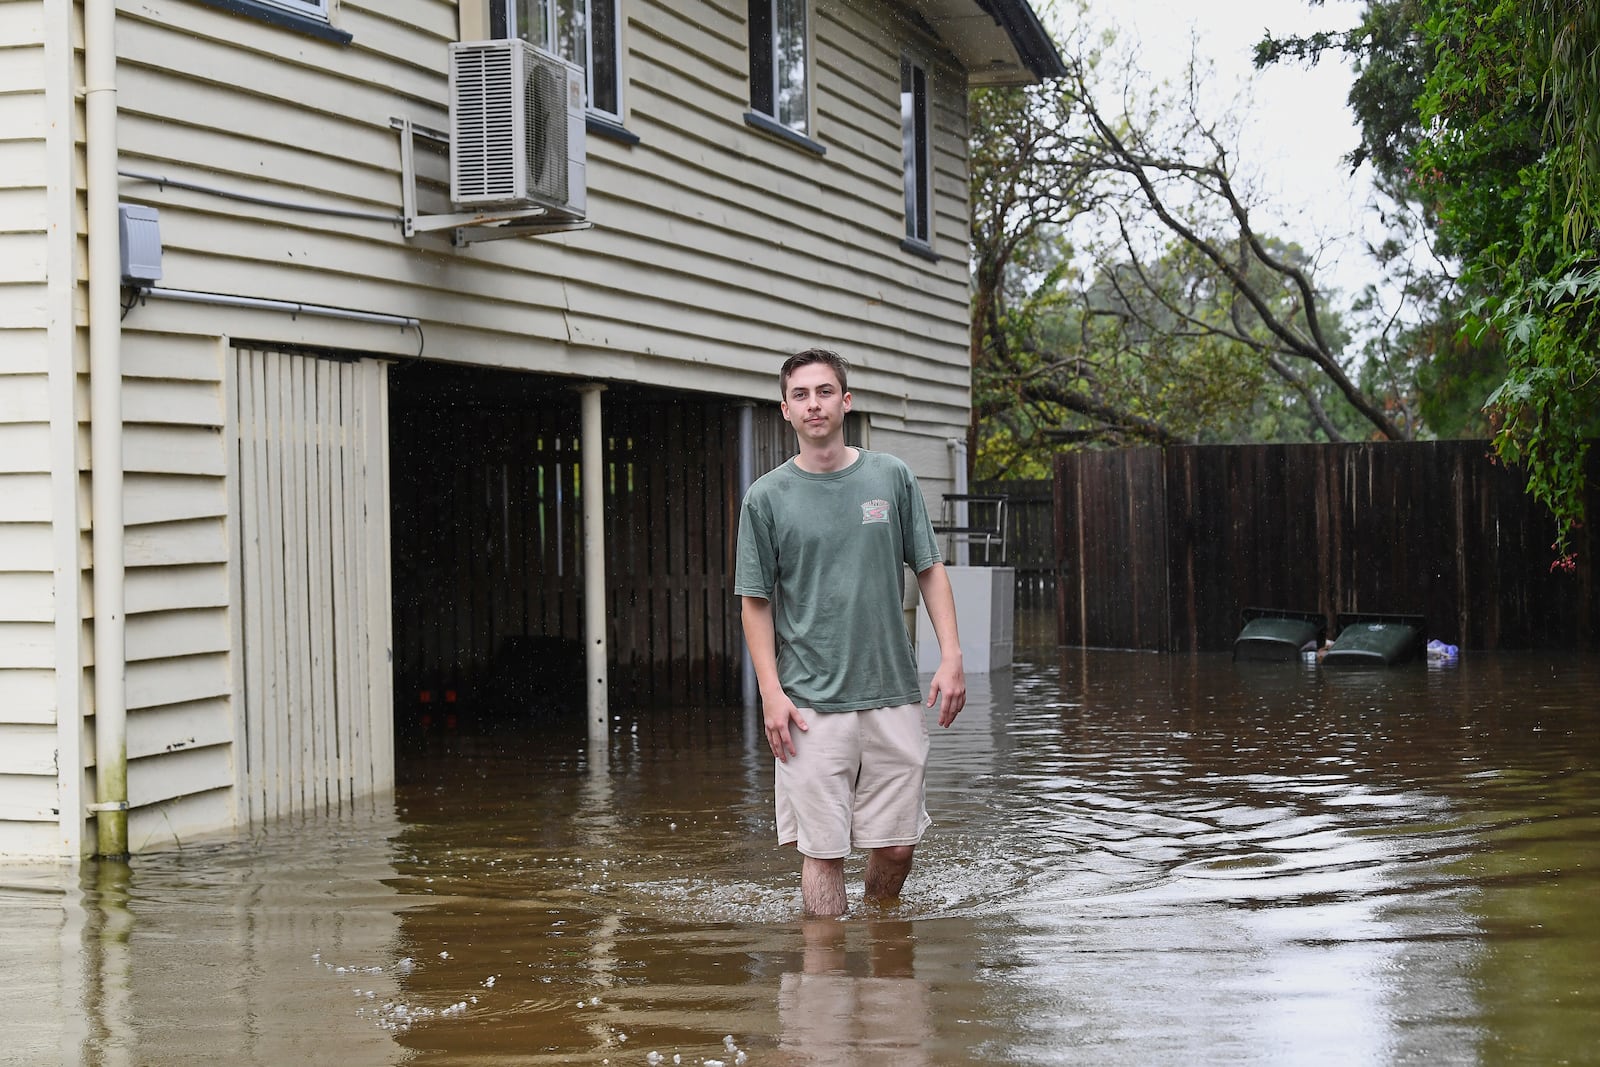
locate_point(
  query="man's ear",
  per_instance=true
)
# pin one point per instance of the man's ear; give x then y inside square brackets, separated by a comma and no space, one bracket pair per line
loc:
[847,400]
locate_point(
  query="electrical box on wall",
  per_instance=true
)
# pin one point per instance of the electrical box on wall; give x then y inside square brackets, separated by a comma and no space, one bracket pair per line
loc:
[140,230]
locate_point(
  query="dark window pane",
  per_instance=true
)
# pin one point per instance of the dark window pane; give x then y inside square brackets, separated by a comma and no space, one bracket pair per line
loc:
[761,56]
[914,141]
[603,74]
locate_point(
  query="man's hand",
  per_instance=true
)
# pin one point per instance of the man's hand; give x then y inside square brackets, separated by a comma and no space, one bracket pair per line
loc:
[949,689]
[777,711]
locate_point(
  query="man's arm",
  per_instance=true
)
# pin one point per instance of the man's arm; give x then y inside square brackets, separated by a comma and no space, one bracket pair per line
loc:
[760,637]
[949,686]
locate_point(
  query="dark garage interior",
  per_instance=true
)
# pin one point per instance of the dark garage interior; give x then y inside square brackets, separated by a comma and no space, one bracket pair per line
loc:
[487,546]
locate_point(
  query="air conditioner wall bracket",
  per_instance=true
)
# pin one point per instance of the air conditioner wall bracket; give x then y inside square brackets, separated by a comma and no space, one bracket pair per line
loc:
[470,226]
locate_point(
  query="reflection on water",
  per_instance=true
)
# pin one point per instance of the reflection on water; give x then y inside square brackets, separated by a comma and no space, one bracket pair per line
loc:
[877,1010]
[1136,859]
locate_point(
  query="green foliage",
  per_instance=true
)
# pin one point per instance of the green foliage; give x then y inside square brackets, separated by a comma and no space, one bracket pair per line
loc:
[1546,406]
[1414,355]
[1568,34]
[1484,115]
[1455,374]
[1513,204]
[1391,59]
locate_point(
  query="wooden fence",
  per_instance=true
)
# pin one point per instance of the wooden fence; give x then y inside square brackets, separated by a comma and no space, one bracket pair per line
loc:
[1162,549]
[1030,538]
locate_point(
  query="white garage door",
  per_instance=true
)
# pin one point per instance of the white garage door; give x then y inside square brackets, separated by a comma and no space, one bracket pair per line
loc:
[312,530]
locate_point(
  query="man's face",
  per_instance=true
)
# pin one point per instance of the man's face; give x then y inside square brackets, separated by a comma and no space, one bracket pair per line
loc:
[814,404]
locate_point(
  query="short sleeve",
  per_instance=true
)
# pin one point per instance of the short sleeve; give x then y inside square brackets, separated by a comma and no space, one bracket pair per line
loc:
[756,565]
[919,545]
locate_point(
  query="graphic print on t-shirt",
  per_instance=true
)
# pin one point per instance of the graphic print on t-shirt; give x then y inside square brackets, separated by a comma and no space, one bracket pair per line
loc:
[874,511]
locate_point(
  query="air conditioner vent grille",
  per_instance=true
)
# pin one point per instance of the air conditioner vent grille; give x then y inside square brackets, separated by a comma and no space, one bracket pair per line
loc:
[547,133]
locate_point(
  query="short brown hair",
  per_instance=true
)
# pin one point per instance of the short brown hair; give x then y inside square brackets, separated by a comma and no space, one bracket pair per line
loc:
[841,368]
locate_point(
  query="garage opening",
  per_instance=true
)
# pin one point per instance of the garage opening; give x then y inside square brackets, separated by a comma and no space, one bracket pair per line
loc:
[487,547]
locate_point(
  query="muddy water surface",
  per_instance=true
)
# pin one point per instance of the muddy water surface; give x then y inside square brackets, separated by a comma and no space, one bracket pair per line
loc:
[1135,860]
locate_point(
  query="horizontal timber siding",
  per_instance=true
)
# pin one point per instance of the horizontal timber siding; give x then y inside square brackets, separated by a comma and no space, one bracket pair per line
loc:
[714,246]
[29,821]
[178,641]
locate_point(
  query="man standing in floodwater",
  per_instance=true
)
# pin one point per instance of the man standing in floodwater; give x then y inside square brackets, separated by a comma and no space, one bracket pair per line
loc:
[823,540]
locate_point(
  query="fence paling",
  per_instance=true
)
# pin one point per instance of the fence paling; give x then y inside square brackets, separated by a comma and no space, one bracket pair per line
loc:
[1030,522]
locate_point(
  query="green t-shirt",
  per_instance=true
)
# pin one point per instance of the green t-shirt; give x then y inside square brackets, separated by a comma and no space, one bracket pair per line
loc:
[828,550]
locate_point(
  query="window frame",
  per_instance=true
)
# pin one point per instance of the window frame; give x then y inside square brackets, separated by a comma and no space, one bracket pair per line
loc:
[313,9]
[503,24]
[765,90]
[311,17]
[916,144]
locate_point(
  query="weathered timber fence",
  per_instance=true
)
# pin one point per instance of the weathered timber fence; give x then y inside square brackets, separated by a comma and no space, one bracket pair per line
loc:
[1162,549]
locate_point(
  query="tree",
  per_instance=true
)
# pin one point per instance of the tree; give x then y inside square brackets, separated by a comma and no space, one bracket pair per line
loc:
[1485,115]
[1568,36]
[1508,158]
[1412,318]
[1089,330]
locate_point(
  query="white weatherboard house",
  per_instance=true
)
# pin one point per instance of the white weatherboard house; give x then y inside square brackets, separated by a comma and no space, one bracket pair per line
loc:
[309,309]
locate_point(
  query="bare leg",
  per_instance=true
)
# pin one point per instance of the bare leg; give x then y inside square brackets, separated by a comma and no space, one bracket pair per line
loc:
[886,872]
[822,886]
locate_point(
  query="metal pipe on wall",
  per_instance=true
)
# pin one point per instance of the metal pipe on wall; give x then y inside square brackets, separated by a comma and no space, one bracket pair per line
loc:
[748,686]
[105,430]
[958,462]
[293,307]
[592,475]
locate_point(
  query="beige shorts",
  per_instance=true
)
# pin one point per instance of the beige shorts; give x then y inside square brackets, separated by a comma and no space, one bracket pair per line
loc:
[855,780]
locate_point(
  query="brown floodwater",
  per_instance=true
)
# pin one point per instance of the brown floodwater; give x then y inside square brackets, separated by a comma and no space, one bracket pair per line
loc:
[1136,859]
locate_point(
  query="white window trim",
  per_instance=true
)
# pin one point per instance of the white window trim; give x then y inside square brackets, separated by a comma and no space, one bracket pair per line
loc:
[318,9]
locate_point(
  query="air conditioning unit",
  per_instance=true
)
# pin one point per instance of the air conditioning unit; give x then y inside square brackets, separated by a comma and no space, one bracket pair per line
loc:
[516,128]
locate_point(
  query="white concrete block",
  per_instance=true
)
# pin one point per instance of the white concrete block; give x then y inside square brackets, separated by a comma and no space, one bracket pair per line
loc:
[985,619]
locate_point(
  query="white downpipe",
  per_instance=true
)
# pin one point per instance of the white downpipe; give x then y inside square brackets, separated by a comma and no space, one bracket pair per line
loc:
[593,468]
[958,461]
[105,429]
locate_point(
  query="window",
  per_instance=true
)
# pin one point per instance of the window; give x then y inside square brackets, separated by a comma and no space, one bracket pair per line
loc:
[914,138]
[584,32]
[779,63]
